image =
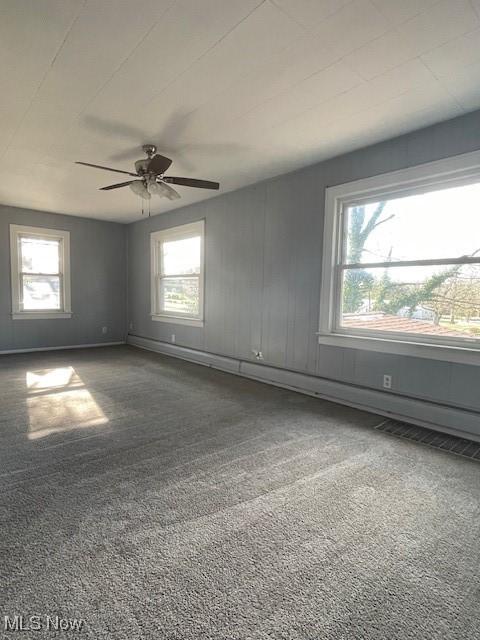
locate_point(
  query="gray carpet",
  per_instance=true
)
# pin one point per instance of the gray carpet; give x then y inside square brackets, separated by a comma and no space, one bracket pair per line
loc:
[154,498]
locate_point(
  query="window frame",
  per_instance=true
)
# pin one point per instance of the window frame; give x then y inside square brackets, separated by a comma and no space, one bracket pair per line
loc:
[18,313]
[441,174]
[157,238]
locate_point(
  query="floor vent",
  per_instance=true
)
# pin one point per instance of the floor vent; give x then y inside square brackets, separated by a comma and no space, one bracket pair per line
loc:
[445,441]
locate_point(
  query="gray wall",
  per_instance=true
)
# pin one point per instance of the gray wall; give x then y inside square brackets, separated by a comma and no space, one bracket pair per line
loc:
[263,269]
[98,280]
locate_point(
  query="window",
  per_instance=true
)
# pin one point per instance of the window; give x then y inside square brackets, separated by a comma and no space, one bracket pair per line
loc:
[401,269]
[177,274]
[40,266]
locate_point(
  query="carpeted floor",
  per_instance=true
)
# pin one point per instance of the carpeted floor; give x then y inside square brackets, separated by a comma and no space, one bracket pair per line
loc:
[154,498]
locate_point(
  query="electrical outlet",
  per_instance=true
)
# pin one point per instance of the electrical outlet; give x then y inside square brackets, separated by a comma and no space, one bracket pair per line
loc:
[387,382]
[104,329]
[173,338]
[131,325]
[258,354]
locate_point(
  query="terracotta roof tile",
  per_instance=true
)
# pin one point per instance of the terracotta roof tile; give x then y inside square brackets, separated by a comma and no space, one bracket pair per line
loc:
[385,322]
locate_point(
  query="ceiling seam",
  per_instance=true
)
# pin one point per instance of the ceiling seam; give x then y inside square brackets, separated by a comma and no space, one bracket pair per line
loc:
[190,66]
[142,39]
[342,58]
[353,51]
[293,87]
[365,80]
[439,79]
[360,111]
[243,75]
[60,50]
[202,55]
[125,60]
[42,81]
[442,83]
[419,12]
[181,74]
[475,10]
[263,102]
[306,29]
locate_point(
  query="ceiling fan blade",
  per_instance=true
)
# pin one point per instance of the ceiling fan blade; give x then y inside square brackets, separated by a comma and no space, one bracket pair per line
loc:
[116,186]
[169,192]
[158,164]
[192,182]
[99,166]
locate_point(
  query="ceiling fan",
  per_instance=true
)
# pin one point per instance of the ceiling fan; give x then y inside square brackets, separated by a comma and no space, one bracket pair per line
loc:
[151,179]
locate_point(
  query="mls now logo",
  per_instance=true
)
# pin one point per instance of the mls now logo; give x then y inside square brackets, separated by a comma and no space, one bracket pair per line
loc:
[36,623]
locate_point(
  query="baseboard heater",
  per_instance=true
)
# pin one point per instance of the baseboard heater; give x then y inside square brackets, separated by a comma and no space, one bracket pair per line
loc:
[92,345]
[454,420]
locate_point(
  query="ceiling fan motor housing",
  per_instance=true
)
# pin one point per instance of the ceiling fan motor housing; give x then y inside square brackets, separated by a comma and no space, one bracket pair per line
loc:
[141,166]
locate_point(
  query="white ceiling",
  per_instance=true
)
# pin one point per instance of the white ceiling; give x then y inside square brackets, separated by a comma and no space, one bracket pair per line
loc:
[232,90]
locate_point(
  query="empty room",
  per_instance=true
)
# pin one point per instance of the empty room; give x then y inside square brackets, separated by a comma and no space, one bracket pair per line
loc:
[240,319]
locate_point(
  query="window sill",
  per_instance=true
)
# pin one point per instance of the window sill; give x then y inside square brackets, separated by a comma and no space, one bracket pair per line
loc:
[41,315]
[461,355]
[191,322]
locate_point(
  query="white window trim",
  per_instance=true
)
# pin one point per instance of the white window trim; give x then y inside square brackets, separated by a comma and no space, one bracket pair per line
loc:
[41,232]
[454,171]
[177,233]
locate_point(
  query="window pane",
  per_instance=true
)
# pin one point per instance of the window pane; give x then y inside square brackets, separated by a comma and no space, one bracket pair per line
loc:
[180,295]
[41,292]
[181,256]
[39,256]
[440,224]
[436,301]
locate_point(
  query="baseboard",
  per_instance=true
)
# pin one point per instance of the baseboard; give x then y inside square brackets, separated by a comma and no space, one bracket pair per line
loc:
[67,346]
[454,420]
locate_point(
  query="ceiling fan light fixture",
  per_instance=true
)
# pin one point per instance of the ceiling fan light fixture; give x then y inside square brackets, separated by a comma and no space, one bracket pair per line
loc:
[157,188]
[139,188]
[162,189]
